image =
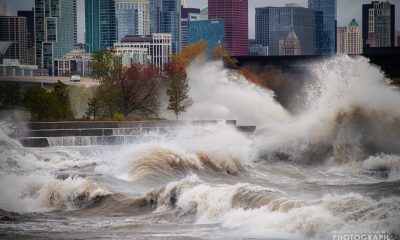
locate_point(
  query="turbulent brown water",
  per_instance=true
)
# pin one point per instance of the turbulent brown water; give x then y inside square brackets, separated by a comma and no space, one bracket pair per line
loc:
[333,167]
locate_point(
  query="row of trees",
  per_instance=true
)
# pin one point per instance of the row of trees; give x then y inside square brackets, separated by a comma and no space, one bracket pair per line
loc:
[124,92]
[138,88]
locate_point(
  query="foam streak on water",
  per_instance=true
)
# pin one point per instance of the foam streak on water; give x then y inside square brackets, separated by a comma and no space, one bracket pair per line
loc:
[332,166]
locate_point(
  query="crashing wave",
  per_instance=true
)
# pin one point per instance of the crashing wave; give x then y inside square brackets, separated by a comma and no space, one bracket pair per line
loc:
[254,211]
[33,193]
[351,113]
[165,162]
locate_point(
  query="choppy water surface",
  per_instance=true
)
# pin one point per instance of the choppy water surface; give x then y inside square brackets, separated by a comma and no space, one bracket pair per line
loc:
[333,166]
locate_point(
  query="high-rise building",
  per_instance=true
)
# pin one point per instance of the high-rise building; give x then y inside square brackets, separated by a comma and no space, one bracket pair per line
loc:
[165,17]
[291,45]
[101,29]
[155,49]
[132,17]
[349,39]
[326,20]
[211,31]
[55,30]
[273,25]
[378,24]
[5,10]
[30,23]
[13,29]
[341,40]
[234,13]
[187,15]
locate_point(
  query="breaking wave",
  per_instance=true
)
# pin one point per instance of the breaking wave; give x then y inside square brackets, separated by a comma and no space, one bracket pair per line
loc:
[35,193]
[350,114]
[157,162]
[261,212]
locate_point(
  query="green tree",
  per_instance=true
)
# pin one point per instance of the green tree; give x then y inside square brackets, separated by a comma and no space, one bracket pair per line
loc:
[104,103]
[103,63]
[63,109]
[174,74]
[10,96]
[40,103]
[48,105]
[178,90]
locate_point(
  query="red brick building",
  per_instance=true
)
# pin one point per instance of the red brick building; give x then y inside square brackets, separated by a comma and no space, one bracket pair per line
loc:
[234,13]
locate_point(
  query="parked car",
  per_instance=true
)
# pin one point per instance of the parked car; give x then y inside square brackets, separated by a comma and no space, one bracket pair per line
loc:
[75,78]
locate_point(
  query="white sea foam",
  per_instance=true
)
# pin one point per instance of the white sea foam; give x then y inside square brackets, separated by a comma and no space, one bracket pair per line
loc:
[42,193]
[218,93]
[280,217]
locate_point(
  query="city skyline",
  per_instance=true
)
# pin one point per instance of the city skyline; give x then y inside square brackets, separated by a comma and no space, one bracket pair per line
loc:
[347,10]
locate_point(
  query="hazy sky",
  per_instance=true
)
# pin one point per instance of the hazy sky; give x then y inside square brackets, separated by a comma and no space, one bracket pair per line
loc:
[347,9]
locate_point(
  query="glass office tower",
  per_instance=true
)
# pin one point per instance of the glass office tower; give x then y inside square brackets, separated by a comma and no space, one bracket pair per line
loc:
[165,17]
[132,17]
[30,24]
[100,32]
[326,25]
[273,25]
[55,30]
[187,15]
[378,28]
[211,31]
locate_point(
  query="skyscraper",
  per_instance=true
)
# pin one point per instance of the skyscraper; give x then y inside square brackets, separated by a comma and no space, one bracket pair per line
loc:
[30,23]
[273,25]
[55,30]
[187,15]
[349,39]
[378,24]
[13,29]
[326,15]
[165,17]
[341,40]
[101,29]
[234,13]
[132,17]
[291,45]
[211,31]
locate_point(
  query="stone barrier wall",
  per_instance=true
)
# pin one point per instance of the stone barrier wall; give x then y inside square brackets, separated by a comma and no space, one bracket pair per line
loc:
[45,134]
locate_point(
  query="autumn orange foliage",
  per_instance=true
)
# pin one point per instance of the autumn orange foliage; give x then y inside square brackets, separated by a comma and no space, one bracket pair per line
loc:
[189,52]
[257,78]
[221,53]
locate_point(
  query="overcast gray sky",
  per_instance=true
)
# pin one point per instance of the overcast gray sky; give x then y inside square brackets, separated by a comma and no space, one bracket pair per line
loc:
[347,10]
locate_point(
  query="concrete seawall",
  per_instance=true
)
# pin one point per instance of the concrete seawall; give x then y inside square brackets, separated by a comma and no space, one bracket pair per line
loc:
[45,134]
